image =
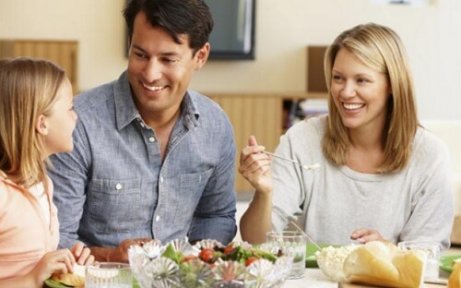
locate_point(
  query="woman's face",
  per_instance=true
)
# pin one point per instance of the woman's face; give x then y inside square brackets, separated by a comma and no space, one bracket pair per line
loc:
[360,93]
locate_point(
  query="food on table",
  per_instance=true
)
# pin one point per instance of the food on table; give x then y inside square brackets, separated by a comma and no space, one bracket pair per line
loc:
[381,263]
[208,263]
[454,281]
[331,259]
[76,279]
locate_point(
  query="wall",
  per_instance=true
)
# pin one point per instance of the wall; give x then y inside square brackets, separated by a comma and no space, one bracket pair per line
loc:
[284,29]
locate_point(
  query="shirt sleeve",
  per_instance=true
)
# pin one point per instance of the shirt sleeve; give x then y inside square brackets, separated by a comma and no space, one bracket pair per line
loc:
[288,186]
[214,217]
[69,175]
[432,208]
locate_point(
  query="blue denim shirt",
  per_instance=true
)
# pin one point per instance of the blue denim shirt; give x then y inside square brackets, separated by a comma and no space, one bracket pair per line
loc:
[114,186]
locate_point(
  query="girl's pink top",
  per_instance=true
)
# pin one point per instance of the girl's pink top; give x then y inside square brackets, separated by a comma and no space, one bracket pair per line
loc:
[25,235]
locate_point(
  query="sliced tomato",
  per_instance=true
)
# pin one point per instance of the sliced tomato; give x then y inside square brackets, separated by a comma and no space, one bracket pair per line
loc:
[206,255]
[250,260]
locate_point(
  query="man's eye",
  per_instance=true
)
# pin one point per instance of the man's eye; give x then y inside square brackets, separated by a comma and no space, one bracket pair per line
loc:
[170,60]
[140,55]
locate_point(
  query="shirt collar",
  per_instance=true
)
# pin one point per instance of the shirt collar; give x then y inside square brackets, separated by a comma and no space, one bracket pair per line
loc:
[126,111]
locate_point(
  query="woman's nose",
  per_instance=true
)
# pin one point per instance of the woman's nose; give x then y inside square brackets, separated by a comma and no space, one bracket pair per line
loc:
[348,90]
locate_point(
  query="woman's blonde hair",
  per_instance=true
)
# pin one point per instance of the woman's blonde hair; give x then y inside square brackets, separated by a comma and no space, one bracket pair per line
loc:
[381,49]
[28,89]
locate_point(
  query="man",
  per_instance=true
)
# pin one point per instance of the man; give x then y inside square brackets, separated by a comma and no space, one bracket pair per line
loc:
[151,159]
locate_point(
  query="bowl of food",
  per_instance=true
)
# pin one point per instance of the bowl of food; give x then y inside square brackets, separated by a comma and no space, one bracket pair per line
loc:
[331,259]
[208,263]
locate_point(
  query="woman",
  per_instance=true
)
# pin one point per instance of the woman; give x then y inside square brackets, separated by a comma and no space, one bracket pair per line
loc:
[381,175]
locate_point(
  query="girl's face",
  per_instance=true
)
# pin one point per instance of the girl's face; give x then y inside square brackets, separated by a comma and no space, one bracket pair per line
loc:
[359,92]
[60,123]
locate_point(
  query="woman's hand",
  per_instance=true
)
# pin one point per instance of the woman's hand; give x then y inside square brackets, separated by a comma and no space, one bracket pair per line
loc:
[82,254]
[366,235]
[255,166]
[60,261]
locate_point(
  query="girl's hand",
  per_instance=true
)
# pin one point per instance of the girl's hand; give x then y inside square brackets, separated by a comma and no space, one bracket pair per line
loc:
[366,235]
[255,166]
[60,261]
[82,254]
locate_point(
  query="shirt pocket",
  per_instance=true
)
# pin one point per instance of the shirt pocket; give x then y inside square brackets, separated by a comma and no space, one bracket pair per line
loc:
[192,186]
[113,204]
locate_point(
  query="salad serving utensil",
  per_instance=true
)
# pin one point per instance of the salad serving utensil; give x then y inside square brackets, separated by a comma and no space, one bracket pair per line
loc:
[292,221]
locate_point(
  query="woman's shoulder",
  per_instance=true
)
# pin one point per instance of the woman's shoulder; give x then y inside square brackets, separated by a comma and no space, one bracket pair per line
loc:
[309,127]
[306,134]
[427,147]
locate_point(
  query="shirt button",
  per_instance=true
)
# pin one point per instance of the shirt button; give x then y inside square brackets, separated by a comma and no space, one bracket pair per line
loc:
[157,218]
[151,139]
[161,179]
[118,186]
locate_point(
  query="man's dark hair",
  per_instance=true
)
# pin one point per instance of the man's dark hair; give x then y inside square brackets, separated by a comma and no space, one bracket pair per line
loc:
[190,17]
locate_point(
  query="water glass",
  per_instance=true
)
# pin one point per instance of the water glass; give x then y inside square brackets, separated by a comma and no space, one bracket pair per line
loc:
[432,251]
[108,274]
[292,244]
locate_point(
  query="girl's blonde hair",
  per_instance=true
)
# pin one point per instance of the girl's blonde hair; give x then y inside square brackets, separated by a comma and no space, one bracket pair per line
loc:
[381,49]
[28,89]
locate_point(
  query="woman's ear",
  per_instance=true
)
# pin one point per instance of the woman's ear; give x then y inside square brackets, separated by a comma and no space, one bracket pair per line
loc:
[42,125]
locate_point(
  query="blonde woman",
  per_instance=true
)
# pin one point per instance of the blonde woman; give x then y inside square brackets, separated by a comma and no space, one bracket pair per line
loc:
[36,120]
[381,175]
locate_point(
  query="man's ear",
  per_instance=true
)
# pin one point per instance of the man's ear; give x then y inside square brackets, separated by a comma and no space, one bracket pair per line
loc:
[201,55]
[42,125]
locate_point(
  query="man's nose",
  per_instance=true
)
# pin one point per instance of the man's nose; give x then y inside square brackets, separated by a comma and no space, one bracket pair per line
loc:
[152,71]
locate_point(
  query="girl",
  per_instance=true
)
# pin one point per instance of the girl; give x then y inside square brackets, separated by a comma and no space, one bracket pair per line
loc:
[36,120]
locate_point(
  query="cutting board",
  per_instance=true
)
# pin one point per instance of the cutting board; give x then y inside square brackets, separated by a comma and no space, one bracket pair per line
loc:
[347,285]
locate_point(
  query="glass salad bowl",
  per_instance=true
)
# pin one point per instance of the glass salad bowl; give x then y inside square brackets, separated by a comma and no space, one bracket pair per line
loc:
[208,263]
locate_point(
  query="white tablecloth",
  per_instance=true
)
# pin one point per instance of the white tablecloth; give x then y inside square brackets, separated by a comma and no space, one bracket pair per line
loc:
[312,278]
[315,278]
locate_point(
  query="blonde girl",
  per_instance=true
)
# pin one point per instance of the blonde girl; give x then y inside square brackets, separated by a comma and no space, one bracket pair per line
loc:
[36,120]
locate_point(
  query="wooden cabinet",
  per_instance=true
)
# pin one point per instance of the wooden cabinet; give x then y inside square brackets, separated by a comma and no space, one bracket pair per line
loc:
[261,115]
[63,53]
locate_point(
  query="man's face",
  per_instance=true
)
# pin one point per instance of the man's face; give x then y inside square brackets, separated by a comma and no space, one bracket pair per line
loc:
[159,69]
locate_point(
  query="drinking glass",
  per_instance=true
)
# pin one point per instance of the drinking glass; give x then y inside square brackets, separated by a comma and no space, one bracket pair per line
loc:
[292,244]
[108,274]
[432,251]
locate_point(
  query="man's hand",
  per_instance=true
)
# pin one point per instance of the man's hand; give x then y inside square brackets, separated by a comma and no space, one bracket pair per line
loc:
[117,254]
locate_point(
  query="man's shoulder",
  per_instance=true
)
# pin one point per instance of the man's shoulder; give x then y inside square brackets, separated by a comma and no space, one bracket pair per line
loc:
[207,107]
[202,101]
[94,97]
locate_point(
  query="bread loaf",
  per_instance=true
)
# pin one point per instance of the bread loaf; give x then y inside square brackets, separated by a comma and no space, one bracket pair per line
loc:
[383,264]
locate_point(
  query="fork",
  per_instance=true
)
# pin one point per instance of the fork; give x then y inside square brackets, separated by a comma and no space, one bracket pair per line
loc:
[305,167]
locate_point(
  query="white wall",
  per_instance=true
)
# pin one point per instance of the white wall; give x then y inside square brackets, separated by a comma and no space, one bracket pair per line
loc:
[284,29]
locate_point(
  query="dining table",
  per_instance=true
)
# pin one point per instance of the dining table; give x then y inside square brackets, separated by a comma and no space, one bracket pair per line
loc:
[313,277]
